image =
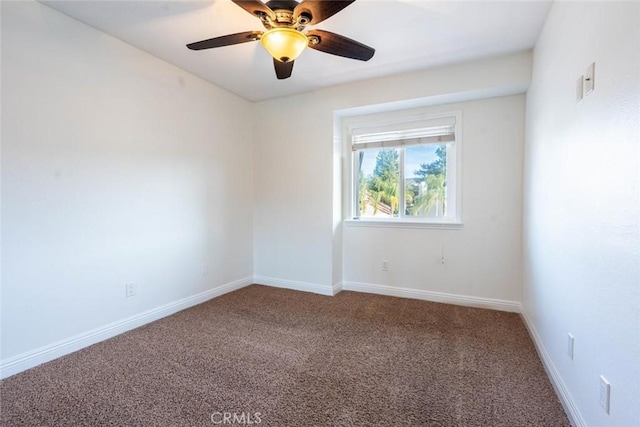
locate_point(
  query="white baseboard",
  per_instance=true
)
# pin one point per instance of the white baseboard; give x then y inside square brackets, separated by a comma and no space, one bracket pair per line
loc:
[296,286]
[469,301]
[575,418]
[30,359]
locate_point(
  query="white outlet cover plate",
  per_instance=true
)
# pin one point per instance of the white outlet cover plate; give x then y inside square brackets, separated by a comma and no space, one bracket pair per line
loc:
[130,289]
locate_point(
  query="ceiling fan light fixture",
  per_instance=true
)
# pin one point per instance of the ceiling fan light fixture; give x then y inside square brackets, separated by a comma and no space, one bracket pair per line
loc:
[284,44]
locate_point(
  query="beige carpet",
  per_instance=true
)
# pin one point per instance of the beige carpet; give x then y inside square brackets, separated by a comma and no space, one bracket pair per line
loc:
[287,358]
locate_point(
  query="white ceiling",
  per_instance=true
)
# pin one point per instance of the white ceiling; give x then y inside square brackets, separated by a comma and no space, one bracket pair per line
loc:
[408,35]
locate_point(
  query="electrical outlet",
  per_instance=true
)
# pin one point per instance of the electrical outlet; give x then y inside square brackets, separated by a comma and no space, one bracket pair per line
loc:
[130,289]
[605,394]
[385,265]
[570,343]
[205,269]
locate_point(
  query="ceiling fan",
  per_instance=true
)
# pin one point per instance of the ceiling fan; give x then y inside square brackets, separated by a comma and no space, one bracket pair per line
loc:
[285,21]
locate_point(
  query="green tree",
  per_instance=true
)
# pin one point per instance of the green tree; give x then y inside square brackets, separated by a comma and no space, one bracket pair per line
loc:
[383,185]
[386,164]
[410,193]
[362,192]
[437,167]
[433,175]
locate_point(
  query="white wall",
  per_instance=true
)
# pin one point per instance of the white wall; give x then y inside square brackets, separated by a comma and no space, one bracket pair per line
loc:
[582,206]
[116,167]
[483,259]
[296,163]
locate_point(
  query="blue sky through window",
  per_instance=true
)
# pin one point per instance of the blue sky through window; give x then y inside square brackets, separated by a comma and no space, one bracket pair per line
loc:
[414,156]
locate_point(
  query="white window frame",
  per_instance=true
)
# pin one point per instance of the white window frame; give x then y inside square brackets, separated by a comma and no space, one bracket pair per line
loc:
[404,125]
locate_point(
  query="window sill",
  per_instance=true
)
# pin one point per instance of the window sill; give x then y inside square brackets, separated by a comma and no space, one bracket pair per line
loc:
[382,223]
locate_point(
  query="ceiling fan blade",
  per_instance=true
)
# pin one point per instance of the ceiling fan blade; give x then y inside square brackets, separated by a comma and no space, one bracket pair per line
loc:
[283,69]
[320,9]
[247,36]
[255,7]
[336,44]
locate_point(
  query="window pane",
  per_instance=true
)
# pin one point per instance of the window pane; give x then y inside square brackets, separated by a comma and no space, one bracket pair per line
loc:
[425,171]
[378,183]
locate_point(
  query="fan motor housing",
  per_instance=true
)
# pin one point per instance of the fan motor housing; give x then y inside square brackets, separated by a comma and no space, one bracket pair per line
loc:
[282,4]
[283,11]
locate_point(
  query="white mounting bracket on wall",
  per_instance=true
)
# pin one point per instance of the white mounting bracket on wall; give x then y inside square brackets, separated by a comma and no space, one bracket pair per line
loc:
[589,79]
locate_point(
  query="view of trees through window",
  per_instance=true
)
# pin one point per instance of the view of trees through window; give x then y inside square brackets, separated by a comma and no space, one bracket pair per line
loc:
[425,183]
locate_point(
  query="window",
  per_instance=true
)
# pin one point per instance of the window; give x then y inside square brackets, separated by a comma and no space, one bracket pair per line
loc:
[406,171]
